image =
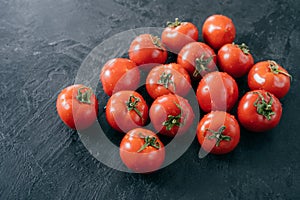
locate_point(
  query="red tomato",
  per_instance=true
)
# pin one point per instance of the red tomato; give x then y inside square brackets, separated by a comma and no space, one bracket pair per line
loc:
[259,111]
[218,132]
[119,74]
[217,91]
[142,151]
[198,59]
[218,30]
[168,79]
[269,76]
[177,34]
[148,51]
[126,110]
[171,114]
[77,106]
[235,60]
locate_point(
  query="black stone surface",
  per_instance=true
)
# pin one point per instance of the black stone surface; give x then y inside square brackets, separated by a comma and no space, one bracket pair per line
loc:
[42,44]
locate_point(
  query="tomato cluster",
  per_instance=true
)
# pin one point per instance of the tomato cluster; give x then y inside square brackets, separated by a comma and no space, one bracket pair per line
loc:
[171,114]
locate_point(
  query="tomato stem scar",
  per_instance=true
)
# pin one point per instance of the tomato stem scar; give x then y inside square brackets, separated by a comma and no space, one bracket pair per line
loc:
[244,48]
[275,69]
[264,108]
[173,120]
[174,24]
[218,135]
[156,41]
[149,141]
[201,64]
[132,103]
[84,97]
[165,80]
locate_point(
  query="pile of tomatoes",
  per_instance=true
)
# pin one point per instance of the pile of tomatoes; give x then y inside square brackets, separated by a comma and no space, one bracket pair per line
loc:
[197,69]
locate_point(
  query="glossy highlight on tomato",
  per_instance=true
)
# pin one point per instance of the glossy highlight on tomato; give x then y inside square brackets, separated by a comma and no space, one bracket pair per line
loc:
[77,106]
[218,132]
[142,151]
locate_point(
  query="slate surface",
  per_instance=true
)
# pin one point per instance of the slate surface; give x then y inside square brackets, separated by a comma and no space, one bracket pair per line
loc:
[42,44]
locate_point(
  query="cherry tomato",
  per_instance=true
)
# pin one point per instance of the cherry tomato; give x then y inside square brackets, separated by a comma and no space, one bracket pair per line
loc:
[142,151]
[259,111]
[77,106]
[147,51]
[235,60]
[126,110]
[218,30]
[119,74]
[217,91]
[177,34]
[167,79]
[171,114]
[218,132]
[198,59]
[269,76]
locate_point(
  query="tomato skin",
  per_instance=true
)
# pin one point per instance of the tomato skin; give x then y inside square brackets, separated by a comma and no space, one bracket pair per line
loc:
[119,74]
[234,61]
[120,117]
[176,35]
[195,50]
[158,83]
[148,160]
[251,119]
[165,106]
[75,114]
[217,91]
[218,30]
[214,121]
[261,77]
[145,53]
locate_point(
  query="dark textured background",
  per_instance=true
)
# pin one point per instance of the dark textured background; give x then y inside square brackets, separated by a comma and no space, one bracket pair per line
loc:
[42,44]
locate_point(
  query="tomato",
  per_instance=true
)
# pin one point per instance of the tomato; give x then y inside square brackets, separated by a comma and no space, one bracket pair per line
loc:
[235,60]
[77,106]
[259,111]
[126,110]
[218,132]
[217,91]
[119,74]
[142,151]
[177,34]
[147,51]
[218,30]
[198,59]
[171,114]
[167,79]
[269,76]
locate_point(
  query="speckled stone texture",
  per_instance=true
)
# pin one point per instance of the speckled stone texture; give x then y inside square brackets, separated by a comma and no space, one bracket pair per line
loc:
[42,44]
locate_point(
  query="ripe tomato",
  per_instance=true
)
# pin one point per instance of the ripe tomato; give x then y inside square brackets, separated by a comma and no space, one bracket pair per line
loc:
[126,110]
[217,91]
[235,60]
[198,59]
[259,111]
[218,132]
[171,114]
[177,34]
[168,79]
[142,151]
[218,30]
[77,106]
[119,74]
[147,51]
[269,76]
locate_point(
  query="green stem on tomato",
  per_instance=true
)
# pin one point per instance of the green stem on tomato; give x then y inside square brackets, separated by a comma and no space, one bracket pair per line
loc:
[85,96]
[166,79]
[218,135]
[173,120]
[245,49]
[201,64]
[263,107]
[149,141]
[132,105]
[174,24]
[274,67]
